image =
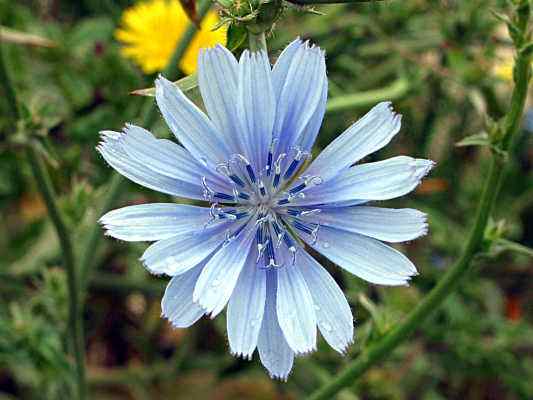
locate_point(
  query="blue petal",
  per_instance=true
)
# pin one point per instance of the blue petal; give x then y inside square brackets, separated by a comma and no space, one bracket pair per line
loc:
[333,313]
[151,222]
[369,134]
[176,255]
[283,64]
[364,257]
[381,180]
[168,158]
[218,72]
[219,277]
[190,125]
[257,106]
[274,352]
[296,312]
[387,224]
[113,150]
[300,99]
[245,309]
[177,305]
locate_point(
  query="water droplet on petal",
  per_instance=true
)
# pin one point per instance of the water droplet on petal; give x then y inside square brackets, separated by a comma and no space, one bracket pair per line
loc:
[317,307]
[215,282]
[203,160]
[325,245]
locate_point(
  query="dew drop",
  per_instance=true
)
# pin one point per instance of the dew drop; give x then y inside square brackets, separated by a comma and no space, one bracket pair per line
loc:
[203,160]
[215,283]
[325,245]
[317,307]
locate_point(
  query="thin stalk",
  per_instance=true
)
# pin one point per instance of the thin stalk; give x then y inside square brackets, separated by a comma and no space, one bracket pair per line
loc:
[44,185]
[10,96]
[474,243]
[116,183]
[74,310]
[308,2]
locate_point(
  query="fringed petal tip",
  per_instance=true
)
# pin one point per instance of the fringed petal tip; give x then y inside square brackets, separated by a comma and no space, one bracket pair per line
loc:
[281,377]
[244,356]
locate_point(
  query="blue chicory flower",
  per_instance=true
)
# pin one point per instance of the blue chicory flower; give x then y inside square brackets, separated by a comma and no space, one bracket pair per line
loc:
[247,159]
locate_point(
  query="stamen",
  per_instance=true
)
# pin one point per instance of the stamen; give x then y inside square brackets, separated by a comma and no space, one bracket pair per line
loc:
[208,192]
[270,156]
[292,248]
[224,169]
[223,196]
[261,186]
[277,169]
[247,165]
[315,180]
[295,163]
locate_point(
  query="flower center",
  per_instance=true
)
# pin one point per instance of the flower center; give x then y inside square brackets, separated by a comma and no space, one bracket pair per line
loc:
[266,199]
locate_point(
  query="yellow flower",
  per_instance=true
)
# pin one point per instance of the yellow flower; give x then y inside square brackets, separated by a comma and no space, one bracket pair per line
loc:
[504,70]
[151,29]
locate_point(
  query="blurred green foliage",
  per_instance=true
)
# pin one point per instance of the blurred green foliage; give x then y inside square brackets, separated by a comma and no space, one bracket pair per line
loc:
[443,53]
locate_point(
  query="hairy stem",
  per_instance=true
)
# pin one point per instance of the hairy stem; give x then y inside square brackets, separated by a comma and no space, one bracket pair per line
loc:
[116,183]
[46,189]
[453,276]
[75,322]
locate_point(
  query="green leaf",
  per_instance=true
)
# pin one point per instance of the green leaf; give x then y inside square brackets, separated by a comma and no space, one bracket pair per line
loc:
[236,36]
[186,84]
[479,139]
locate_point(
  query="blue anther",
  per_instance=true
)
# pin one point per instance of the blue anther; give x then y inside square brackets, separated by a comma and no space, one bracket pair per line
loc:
[237,180]
[298,188]
[292,167]
[223,196]
[283,201]
[250,171]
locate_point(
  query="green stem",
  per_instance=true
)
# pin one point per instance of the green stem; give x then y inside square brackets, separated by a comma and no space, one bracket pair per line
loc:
[395,91]
[44,185]
[256,41]
[309,2]
[453,276]
[115,187]
[75,319]
[10,96]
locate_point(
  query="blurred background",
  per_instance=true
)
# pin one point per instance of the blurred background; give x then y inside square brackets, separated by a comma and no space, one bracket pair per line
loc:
[446,65]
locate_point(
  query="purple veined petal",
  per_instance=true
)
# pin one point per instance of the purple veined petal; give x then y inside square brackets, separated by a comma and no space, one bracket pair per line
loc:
[333,314]
[387,224]
[256,106]
[190,125]
[246,308]
[112,149]
[218,73]
[300,98]
[177,305]
[296,311]
[219,277]
[274,351]
[367,258]
[169,158]
[369,134]
[152,222]
[381,180]
[178,254]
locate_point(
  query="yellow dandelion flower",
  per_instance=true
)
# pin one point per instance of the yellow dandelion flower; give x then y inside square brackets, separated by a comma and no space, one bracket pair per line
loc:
[151,29]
